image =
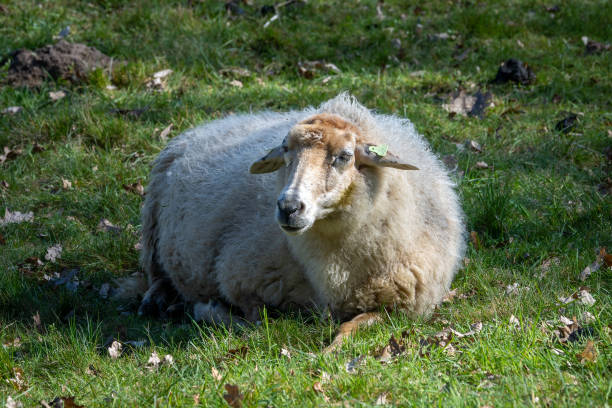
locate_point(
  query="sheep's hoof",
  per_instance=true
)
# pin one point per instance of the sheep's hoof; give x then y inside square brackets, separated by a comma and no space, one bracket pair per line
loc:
[156,300]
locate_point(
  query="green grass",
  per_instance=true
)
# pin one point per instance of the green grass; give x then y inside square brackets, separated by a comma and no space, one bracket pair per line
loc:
[539,201]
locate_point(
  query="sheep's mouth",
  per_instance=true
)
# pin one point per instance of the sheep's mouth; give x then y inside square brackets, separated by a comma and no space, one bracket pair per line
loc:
[293,230]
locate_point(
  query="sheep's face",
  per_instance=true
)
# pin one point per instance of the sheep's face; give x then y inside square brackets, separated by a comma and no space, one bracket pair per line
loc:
[321,160]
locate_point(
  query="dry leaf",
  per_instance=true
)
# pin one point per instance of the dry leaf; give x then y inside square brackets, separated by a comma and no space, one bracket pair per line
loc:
[163,135]
[91,370]
[54,252]
[61,402]
[235,71]
[547,264]
[482,165]
[2,240]
[475,240]
[473,145]
[162,74]
[16,342]
[154,362]
[66,184]
[114,351]
[236,83]
[352,366]
[514,322]
[216,375]
[11,110]
[135,188]
[309,69]
[233,396]
[461,103]
[9,154]
[382,399]
[18,380]
[588,354]
[196,399]
[4,184]
[56,96]
[106,226]
[285,352]
[15,217]
[601,259]
[11,403]
[37,322]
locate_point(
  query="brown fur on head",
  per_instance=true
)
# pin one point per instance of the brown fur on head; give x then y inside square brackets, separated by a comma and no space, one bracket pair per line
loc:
[324,156]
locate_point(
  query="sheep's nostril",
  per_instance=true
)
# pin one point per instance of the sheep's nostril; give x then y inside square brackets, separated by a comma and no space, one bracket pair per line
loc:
[290,207]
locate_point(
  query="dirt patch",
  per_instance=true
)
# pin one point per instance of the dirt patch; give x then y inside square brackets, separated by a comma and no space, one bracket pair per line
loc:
[68,61]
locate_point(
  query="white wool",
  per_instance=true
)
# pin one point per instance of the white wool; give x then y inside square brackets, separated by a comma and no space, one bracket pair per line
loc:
[209,225]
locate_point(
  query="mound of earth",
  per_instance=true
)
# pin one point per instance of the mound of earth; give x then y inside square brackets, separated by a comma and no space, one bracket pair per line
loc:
[68,61]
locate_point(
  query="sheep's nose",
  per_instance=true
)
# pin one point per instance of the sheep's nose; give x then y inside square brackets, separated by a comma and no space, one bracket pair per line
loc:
[289,206]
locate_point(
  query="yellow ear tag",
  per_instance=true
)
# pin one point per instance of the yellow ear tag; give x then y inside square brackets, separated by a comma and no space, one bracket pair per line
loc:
[379,150]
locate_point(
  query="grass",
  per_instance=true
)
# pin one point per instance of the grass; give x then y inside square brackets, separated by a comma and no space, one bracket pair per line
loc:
[539,201]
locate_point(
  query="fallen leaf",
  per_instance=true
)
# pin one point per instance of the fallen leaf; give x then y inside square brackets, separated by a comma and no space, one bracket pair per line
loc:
[309,69]
[61,402]
[216,375]
[196,399]
[18,380]
[114,351]
[57,95]
[15,217]
[11,110]
[352,366]
[464,104]
[9,154]
[15,343]
[594,47]
[11,403]
[473,145]
[514,322]
[514,70]
[233,396]
[153,362]
[588,354]
[2,240]
[482,165]
[37,322]
[4,184]
[236,83]
[475,240]
[567,124]
[163,73]
[66,184]
[317,387]
[135,188]
[285,352]
[382,399]
[91,370]
[547,264]
[163,135]
[106,226]
[54,252]
[235,71]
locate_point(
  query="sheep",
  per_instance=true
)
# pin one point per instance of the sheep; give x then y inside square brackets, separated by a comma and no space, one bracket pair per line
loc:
[360,215]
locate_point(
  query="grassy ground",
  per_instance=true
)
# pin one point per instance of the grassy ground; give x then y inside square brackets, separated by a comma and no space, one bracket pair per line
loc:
[537,210]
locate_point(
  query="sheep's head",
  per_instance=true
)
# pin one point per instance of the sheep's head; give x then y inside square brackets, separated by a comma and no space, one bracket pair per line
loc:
[321,161]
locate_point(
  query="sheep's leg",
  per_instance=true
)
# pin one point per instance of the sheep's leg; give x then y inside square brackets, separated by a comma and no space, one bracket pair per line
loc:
[350,327]
[157,298]
[213,312]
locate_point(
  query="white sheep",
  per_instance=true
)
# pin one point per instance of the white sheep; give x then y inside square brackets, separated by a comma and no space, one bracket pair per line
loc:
[366,217]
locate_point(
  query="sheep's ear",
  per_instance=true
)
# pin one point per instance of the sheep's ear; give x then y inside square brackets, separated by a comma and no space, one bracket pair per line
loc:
[270,162]
[380,156]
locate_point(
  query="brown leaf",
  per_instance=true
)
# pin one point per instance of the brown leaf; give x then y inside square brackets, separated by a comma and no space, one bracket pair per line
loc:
[236,83]
[37,322]
[588,354]
[53,253]
[461,103]
[66,184]
[482,165]
[56,96]
[475,240]
[91,370]
[15,217]
[473,145]
[114,351]
[233,396]
[11,110]
[135,188]
[2,240]
[18,380]
[216,375]
[240,352]
[163,135]
[106,226]
[4,184]
[10,402]
[61,402]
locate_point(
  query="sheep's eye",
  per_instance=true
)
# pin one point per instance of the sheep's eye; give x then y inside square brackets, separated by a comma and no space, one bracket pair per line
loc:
[342,159]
